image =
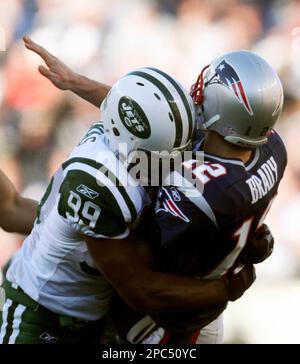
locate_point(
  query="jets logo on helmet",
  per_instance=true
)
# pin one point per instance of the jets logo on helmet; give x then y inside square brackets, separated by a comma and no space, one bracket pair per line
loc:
[148,109]
[227,76]
[134,118]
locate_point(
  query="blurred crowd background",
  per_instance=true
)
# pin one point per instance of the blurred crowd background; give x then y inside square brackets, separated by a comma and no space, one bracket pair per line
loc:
[104,39]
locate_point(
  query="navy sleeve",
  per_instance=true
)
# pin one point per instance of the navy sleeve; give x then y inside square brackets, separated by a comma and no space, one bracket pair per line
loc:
[187,233]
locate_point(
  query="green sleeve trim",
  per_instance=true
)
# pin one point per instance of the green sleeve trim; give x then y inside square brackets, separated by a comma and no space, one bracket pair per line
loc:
[111,176]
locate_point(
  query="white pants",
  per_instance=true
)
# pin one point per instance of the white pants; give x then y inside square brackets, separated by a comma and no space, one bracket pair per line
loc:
[210,334]
[213,333]
[146,331]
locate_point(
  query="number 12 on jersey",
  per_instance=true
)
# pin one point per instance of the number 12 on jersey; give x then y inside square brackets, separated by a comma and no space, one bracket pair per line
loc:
[241,235]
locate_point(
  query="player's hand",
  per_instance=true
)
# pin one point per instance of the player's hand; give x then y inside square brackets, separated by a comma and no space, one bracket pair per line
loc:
[238,283]
[260,248]
[56,71]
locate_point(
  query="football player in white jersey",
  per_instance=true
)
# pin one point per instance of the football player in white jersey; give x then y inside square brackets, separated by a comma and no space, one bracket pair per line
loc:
[58,286]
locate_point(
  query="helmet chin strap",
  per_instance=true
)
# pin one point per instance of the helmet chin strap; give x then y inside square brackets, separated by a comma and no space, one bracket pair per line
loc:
[211,121]
[247,143]
[182,148]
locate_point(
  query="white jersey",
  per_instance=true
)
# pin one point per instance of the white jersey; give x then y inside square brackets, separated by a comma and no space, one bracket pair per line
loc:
[90,194]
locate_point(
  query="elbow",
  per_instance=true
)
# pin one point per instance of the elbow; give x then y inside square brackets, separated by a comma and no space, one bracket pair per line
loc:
[14,228]
[8,224]
[8,229]
[12,225]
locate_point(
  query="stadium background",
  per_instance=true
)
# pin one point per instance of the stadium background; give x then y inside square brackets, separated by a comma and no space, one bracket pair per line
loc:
[104,39]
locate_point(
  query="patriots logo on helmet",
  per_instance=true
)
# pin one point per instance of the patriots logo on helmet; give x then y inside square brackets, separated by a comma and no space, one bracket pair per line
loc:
[227,76]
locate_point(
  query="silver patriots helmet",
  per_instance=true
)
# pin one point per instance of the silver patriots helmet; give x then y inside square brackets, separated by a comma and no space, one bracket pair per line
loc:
[239,96]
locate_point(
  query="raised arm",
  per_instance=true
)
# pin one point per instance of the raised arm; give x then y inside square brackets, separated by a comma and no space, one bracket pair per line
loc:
[127,264]
[64,78]
[17,214]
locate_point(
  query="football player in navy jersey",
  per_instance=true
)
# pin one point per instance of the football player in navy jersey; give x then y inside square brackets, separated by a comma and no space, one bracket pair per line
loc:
[206,229]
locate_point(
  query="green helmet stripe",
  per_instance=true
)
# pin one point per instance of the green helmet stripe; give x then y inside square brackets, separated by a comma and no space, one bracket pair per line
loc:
[182,96]
[169,98]
[111,176]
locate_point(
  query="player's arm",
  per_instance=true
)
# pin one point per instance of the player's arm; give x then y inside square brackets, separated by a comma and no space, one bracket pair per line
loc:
[64,78]
[17,214]
[127,264]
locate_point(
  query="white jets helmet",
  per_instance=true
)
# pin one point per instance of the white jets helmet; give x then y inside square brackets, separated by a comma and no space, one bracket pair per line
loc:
[149,110]
[240,96]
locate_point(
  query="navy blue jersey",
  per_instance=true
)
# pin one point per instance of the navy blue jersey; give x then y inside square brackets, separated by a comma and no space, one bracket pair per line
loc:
[202,231]
[212,226]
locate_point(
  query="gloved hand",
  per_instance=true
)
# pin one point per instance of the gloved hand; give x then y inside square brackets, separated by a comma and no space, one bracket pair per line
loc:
[260,248]
[238,283]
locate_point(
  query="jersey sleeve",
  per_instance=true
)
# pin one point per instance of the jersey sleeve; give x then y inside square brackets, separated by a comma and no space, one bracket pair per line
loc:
[93,132]
[177,215]
[94,203]
[187,232]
